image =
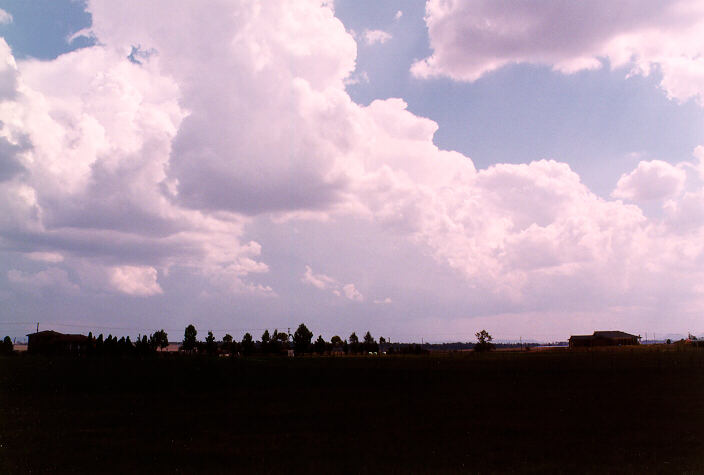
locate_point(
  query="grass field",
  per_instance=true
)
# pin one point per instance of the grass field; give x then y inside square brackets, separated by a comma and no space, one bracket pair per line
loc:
[617,411]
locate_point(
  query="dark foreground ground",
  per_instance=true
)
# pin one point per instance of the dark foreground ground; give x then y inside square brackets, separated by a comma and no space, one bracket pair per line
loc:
[610,411]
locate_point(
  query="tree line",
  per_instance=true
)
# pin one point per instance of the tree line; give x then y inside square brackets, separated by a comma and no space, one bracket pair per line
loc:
[114,346]
[301,342]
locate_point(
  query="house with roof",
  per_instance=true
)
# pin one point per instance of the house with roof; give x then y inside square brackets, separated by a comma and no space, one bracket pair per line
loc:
[49,342]
[604,338]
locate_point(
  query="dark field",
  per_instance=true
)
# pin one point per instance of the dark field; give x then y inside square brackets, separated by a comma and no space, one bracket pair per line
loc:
[614,411]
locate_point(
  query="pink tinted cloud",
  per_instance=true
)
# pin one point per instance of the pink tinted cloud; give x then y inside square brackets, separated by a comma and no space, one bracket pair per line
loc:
[135,169]
[472,38]
[653,180]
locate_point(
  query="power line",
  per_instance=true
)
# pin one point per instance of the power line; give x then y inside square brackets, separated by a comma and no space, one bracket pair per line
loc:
[104,327]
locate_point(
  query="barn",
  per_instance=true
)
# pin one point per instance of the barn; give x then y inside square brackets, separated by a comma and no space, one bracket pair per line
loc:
[603,338]
[51,342]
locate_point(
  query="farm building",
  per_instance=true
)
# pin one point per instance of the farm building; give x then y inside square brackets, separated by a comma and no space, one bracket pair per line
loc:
[603,338]
[51,342]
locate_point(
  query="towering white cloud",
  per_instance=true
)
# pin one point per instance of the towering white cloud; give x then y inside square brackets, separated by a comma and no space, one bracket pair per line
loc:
[85,142]
[472,38]
[257,79]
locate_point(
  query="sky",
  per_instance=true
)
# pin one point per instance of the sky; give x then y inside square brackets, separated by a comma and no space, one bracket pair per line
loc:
[418,169]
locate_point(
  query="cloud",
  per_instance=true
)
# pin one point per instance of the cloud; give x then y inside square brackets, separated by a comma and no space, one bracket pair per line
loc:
[653,180]
[52,277]
[8,72]
[270,67]
[129,171]
[85,142]
[385,301]
[372,37]
[319,281]
[357,78]
[325,282]
[5,18]
[53,257]
[398,15]
[135,280]
[470,39]
[352,293]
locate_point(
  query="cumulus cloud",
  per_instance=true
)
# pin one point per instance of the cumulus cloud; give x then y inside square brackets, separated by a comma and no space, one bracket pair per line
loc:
[86,140]
[319,281]
[135,280]
[653,180]
[325,282]
[131,169]
[280,65]
[472,38]
[350,292]
[372,37]
[398,15]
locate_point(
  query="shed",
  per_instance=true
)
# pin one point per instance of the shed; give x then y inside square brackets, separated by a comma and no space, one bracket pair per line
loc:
[604,338]
[51,342]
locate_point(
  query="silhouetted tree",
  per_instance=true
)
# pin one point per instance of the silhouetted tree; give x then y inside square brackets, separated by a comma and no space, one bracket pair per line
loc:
[266,341]
[354,343]
[484,341]
[6,346]
[99,345]
[319,346]
[160,339]
[90,350]
[382,340]
[109,346]
[122,345]
[275,343]
[279,341]
[227,345]
[302,338]
[370,344]
[210,346]
[336,341]
[283,338]
[247,344]
[189,338]
[144,345]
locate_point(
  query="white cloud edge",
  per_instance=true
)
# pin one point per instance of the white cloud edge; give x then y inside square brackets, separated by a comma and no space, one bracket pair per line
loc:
[5,17]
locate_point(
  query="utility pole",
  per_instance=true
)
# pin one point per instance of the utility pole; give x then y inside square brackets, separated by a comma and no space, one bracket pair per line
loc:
[37,327]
